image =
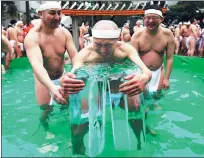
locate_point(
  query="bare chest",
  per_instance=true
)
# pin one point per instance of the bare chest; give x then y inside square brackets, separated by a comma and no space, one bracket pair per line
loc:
[12,34]
[126,31]
[53,46]
[85,30]
[19,32]
[148,43]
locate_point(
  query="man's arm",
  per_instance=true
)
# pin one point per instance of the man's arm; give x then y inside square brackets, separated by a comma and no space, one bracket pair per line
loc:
[70,46]
[135,40]
[169,55]
[6,47]
[81,32]
[195,31]
[5,33]
[121,34]
[136,83]
[177,33]
[34,55]
[134,29]
[133,55]
[79,59]
[69,82]
[15,33]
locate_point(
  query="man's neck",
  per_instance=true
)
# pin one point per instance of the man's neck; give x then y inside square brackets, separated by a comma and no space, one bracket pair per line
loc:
[153,32]
[46,29]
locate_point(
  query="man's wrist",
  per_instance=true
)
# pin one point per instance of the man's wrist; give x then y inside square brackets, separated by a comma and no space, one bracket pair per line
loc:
[61,80]
[166,78]
[51,87]
[148,73]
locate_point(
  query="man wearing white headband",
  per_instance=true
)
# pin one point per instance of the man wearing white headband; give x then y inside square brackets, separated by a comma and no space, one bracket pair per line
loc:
[178,38]
[20,36]
[46,44]
[106,48]
[125,33]
[6,52]
[16,38]
[201,46]
[137,26]
[191,36]
[152,42]
[84,35]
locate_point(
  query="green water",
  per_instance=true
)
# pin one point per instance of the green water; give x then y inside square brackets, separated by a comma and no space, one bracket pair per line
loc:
[179,124]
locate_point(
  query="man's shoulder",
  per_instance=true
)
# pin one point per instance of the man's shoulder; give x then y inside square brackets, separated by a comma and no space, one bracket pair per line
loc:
[32,36]
[122,46]
[33,31]
[87,52]
[11,29]
[166,31]
[139,32]
[193,26]
[63,31]
[183,27]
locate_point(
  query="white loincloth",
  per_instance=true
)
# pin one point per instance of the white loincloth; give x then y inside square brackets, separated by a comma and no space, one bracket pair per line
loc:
[12,42]
[56,82]
[153,85]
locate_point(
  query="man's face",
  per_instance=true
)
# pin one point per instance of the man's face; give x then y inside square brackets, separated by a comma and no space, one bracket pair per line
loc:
[20,25]
[179,25]
[152,21]
[52,17]
[127,26]
[104,47]
[138,24]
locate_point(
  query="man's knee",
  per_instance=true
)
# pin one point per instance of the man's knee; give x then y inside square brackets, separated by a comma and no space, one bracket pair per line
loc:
[133,103]
[79,130]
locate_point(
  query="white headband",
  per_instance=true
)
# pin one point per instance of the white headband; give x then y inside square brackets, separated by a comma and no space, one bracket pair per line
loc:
[18,22]
[49,5]
[187,23]
[153,11]
[105,33]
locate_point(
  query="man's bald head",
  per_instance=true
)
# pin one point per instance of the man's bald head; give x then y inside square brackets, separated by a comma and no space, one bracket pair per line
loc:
[105,25]
[105,29]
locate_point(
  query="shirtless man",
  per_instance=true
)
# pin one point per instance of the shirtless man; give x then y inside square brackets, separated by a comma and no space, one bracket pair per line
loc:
[13,39]
[6,51]
[137,26]
[84,34]
[178,38]
[45,46]
[20,36]
[151,42]
[4,32]
[191,35]
[106,48]
[172,30]
[201,46]
[125,33]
